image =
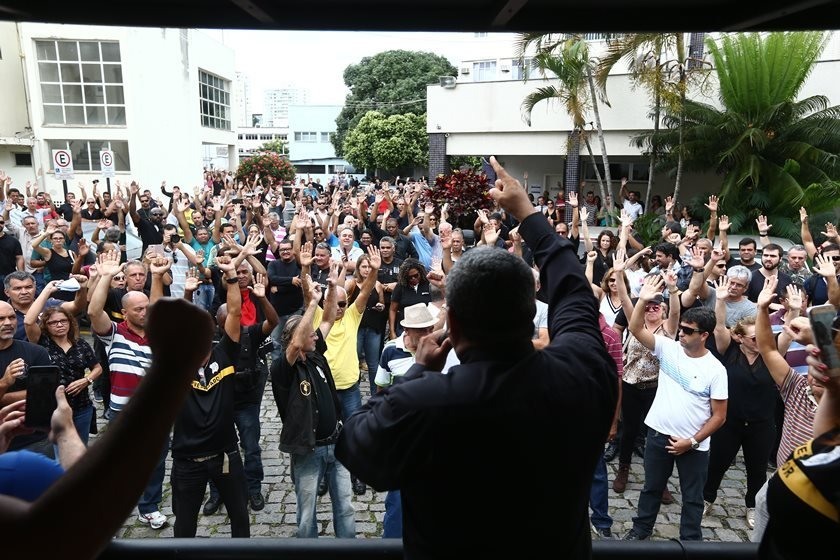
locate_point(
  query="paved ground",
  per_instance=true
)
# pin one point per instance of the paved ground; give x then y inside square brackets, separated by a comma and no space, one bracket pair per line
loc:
[726,522]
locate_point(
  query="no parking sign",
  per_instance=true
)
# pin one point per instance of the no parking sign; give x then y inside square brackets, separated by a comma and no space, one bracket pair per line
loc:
[63,164]
[106,163]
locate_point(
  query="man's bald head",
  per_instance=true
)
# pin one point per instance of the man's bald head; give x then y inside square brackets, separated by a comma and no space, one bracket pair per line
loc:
[8,323]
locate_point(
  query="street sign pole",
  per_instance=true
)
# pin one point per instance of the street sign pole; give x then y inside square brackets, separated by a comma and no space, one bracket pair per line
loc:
[108,184]
[64,182]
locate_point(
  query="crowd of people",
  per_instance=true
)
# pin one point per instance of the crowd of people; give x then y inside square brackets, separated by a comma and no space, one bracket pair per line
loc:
[678,352]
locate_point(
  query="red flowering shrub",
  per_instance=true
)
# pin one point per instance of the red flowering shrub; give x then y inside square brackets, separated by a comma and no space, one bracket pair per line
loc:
[267,164]
[466,191]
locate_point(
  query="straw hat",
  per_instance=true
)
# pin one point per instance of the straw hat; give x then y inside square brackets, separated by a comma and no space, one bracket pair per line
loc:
[419,316]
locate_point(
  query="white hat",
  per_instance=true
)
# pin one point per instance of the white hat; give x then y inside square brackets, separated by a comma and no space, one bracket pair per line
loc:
[419,316]
[69,285]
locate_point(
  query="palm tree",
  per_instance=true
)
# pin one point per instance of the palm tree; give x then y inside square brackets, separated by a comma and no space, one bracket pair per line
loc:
[658,62]
[566,58]
[775,152]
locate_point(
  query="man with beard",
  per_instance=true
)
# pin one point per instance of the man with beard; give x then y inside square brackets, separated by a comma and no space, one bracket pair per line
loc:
[771,257]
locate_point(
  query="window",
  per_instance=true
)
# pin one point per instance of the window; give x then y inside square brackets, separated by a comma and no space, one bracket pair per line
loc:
[336,169]
[23,160]
[519,67]
[215,101]
[309,168]
[484,71]
[325,137]
[81,83]
[306,137]
[86,153]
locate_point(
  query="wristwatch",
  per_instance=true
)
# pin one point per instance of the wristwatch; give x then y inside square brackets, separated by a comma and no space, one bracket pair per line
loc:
[694,443]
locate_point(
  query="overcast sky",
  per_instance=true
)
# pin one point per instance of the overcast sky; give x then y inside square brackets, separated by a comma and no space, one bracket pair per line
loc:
[315,60]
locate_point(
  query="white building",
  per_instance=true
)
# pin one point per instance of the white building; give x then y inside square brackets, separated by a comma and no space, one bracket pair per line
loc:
[479,113]
[160,99]
[242,98]
[249,139]
[310,150]
[277,103]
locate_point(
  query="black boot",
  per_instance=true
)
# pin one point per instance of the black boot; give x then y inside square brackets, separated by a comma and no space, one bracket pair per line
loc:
[359,487]
[611,451]
[322,486]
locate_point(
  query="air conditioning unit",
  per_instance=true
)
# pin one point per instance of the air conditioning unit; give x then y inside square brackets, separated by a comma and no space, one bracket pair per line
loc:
[465,69]
[505,67]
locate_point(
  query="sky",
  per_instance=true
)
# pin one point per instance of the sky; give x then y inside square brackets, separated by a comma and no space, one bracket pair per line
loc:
[315,60]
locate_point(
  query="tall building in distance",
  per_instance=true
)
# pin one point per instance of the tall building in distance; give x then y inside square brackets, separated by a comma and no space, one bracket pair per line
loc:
[276,106]
[242,99]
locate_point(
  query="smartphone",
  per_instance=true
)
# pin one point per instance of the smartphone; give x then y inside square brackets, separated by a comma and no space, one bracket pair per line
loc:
[41,382]
[822,319]
[488,170]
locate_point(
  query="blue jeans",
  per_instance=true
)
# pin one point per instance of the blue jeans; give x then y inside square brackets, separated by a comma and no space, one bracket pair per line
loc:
[82,419]
[153,493]
[599,497]
[203,297]
[368,345]
[691,466]
[392,523]
[351,400]
[247,421]
[306,471]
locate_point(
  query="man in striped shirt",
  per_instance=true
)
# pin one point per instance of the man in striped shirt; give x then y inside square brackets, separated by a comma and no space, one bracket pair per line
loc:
[129,356]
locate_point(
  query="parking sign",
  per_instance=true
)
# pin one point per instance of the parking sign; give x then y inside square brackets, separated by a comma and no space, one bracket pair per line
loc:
[106,163]
[63,164]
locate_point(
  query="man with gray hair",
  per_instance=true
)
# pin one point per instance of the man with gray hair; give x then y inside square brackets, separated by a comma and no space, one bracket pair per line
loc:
[737,304]
[436,437]
[796,265]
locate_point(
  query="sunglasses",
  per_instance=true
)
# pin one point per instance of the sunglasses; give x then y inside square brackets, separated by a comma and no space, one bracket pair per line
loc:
[653,307]
[688,331]
[118,278]
[342,304]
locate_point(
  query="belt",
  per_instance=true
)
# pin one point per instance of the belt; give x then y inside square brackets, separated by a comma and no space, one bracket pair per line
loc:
[647,384]
[225,462]
[333,437]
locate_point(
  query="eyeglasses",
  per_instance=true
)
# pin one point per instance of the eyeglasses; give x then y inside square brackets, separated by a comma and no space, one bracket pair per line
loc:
[611,281]
[653,307]
[749,337]
[341,304]
[688,331]
[58,322]
[118,278]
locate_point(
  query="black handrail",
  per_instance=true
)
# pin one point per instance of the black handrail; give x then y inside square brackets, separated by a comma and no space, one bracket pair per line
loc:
[390,549]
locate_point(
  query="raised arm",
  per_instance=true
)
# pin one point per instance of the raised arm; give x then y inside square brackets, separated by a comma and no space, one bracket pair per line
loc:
[133,188]
[370,282]
[303,331]
[773,359]
[234,306]
[30,321]
[36,242]
[107,266]
[584,229]
[723,338]
[825,267]
[636,321]
[763,229]
[178,209]
[270,314]
[712,205]
[159,269]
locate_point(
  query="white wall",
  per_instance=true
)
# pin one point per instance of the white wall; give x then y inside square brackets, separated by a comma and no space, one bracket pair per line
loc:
[160,79]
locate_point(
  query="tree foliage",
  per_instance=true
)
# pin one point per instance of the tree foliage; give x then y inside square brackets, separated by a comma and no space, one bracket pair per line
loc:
[392,83]
[388,142]
[774,151]
[277,146]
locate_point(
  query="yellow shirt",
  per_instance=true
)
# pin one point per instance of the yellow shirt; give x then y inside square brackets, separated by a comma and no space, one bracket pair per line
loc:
[342,355]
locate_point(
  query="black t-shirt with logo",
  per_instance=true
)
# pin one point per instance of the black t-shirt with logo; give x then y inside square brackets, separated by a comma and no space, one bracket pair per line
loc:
[205,424]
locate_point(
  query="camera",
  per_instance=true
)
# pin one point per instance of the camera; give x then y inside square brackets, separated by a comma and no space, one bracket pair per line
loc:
[175,238]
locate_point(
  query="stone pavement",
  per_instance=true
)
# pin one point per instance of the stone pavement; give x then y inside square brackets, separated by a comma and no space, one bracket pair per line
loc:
[726,522]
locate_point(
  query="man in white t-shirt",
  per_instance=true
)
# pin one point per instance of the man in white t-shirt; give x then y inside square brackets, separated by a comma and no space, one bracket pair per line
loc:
[540,337]
[690,405]
[631,202]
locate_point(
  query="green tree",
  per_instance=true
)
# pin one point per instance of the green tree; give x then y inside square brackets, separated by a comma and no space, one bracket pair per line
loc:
[277,146]
[775,153]
[660,63]
[384,142]
[392,83]
[566,58]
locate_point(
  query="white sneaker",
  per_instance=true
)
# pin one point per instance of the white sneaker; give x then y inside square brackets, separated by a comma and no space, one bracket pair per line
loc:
[751,518]
[156,520]
[707,507]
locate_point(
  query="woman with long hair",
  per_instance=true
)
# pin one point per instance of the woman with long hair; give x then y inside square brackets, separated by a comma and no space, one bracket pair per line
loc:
[412,288]
[373,323]
[56,330]
[58,258]
[604,248]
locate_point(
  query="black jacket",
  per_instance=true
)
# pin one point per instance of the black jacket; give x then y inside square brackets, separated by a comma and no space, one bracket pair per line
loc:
[451,442]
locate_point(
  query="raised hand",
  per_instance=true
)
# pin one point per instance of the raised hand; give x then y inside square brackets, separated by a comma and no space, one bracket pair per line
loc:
[336,273]
[713,204]
[825,266]
[224,263]
[258,289]
[697,259]
[723,223]
[591,256]
[651,287]
[794,296]
[584,214]
[490,234]
[109,263]
[375,257]
[722,287]
[191,281]
[619,260]
[803,214]
[83,248]
[762,225]
[305,256]
[670,278]
[830,231]
[160,265]
[573,199]
[669,204]
[767,293]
